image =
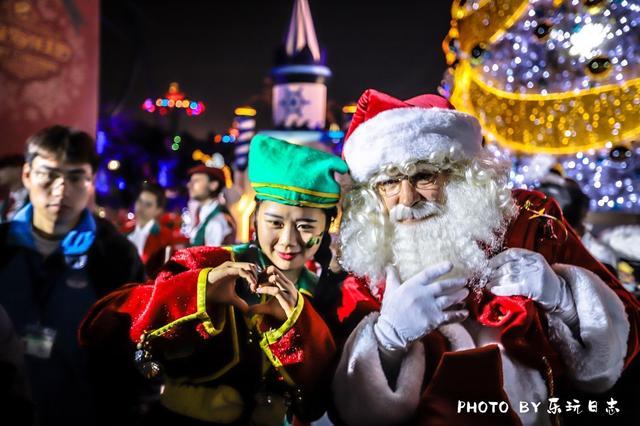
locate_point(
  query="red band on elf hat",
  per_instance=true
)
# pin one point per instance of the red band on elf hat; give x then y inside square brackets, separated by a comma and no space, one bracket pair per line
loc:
[385,130]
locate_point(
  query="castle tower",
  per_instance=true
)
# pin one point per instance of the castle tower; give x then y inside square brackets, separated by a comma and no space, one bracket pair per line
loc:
[299,92]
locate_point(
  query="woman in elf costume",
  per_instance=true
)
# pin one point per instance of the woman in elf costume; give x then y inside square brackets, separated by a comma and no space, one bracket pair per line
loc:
[233,329]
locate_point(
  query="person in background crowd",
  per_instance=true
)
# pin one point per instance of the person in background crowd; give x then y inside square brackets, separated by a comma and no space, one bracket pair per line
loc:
[212,223]
[13,195]
[235,329]
[152,239]
[56,260]
[575,206]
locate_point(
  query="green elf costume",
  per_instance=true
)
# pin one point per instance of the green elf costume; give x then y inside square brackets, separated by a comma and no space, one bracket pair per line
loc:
[219,365]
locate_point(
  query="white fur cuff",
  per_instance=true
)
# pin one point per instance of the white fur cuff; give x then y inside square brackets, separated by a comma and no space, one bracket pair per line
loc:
[361,392]
[596,364]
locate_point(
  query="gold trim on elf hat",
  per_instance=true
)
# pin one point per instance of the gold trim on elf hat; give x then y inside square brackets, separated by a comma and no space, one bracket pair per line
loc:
[295,175]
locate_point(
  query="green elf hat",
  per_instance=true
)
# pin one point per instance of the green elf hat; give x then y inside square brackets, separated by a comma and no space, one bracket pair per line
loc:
[295,175]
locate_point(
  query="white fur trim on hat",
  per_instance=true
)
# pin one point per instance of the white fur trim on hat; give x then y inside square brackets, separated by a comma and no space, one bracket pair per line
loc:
[409,134]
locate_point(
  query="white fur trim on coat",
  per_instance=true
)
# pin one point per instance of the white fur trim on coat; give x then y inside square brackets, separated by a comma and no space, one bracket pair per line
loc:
[595,364]
[361,392]
[408,134]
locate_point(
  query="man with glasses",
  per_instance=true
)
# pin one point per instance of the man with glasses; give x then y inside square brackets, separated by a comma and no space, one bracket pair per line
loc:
[152,239]
[467,299]
[56,260]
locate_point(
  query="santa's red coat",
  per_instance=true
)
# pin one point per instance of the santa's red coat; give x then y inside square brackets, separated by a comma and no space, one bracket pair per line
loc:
[476,374]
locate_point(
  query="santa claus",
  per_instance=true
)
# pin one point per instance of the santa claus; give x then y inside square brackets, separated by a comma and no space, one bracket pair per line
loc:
[467,300]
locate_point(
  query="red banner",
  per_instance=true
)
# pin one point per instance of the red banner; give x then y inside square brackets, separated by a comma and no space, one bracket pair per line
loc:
[49,59]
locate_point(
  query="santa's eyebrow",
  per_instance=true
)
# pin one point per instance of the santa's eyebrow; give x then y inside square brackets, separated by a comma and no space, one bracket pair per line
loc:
[382,177]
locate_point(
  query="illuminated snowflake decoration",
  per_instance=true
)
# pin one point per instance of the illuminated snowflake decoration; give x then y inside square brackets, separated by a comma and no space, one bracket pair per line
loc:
[292,102]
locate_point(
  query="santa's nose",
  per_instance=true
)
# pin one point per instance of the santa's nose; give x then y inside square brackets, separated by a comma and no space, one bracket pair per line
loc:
[408,194]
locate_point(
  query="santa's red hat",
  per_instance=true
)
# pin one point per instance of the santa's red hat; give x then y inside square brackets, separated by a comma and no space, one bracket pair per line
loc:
[386,130]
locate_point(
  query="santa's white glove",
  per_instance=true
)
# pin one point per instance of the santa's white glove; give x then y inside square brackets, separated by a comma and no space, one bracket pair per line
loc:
[521,272]
[418,306]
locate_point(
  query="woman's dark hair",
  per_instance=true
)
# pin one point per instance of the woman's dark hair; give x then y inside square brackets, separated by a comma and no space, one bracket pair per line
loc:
[328,290]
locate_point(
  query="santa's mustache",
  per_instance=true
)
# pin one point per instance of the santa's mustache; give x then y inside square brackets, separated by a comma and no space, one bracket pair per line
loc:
[418,211]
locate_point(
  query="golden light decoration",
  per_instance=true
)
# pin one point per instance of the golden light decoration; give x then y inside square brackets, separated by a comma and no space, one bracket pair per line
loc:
[113,165]
[228,180]
[197,155]
[556,121]
[485,22]
[243,210]
[246,111]
[349,109]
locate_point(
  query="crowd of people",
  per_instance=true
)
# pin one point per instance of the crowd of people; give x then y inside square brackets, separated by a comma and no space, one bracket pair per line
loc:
[442,289]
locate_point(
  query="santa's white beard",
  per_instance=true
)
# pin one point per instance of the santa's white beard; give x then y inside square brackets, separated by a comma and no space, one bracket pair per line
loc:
[470,219]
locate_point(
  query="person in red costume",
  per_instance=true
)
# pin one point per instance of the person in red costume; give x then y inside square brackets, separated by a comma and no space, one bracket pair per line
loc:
[461,290]
[234,328]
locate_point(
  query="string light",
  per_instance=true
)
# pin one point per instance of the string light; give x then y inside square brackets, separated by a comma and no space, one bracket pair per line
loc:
[245,111]
[173,99]
[609,177]
[113,165]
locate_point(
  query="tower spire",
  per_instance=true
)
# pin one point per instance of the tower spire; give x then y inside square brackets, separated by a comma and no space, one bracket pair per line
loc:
[302,33]
[299,91]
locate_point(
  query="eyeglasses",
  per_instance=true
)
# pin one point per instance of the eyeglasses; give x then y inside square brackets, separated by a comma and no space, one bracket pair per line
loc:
[421,181]
[48,177]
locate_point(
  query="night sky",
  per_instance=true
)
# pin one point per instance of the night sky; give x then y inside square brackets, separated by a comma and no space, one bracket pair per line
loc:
[221,52]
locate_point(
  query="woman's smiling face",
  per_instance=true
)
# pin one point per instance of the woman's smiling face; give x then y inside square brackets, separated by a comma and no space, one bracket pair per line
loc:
[289,235]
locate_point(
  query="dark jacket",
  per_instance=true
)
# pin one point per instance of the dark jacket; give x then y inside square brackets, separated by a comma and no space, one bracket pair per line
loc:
[14,390]
[54,294]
